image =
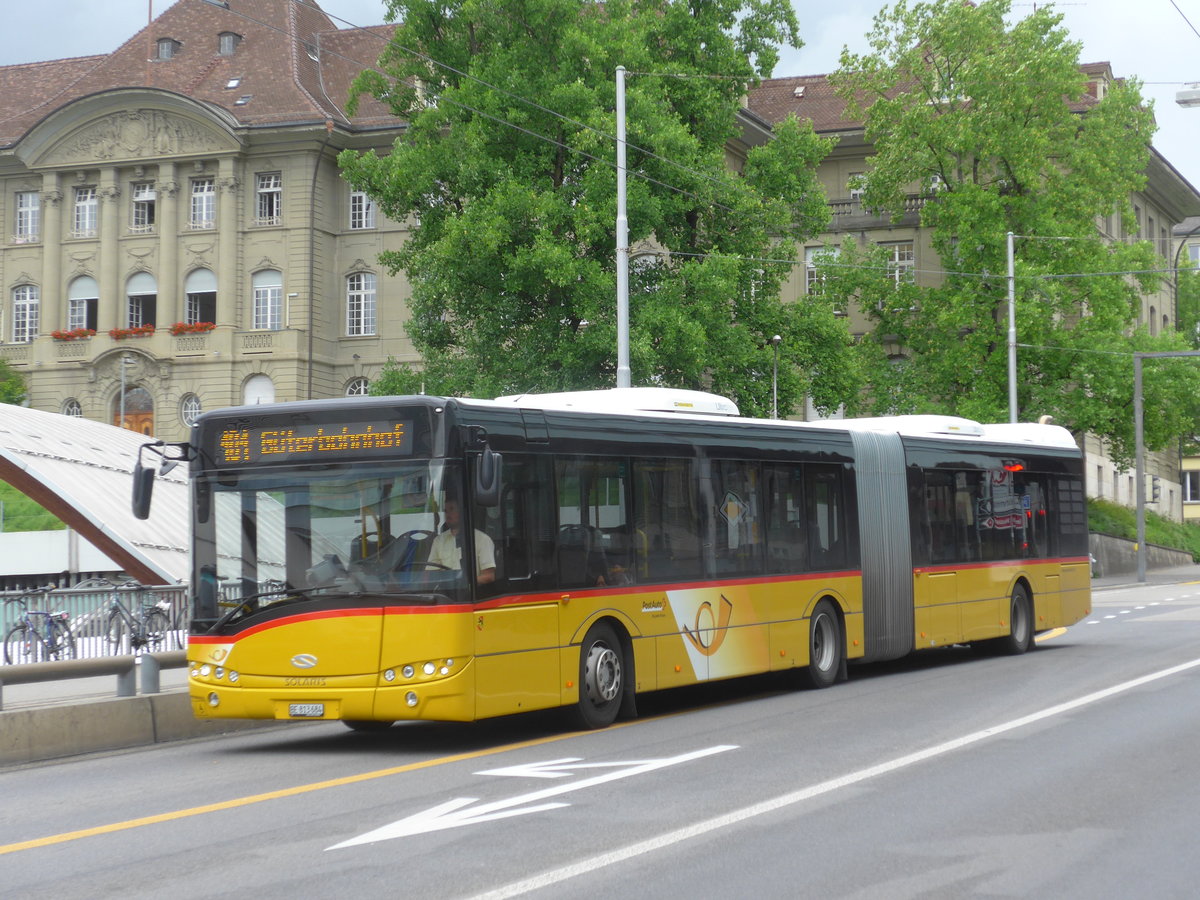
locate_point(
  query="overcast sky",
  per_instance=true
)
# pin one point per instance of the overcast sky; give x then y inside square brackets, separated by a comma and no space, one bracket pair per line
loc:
[1151,40]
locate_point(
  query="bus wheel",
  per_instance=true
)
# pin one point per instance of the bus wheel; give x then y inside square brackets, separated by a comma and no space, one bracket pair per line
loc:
[601,677]
[1020,624]
[366,726]
[825,647]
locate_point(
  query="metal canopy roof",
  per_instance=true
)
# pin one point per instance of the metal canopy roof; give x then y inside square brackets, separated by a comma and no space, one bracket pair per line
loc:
[82,472]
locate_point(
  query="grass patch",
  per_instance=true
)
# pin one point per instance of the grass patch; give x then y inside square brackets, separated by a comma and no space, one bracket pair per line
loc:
[23,514]
[1106,517]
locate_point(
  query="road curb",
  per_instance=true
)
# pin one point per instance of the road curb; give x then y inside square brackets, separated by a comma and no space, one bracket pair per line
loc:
[43,733]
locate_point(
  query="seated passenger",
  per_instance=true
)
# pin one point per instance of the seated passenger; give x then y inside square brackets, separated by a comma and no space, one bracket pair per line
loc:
[447,547]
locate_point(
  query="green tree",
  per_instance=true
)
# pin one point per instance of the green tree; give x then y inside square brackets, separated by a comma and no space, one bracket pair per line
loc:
[507,171]
[12,385]
[990,122]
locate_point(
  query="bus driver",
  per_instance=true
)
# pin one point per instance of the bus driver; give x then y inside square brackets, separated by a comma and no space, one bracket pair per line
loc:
[447,546]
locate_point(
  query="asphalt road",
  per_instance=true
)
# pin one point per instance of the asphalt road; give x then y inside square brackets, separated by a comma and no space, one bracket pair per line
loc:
[1069,772]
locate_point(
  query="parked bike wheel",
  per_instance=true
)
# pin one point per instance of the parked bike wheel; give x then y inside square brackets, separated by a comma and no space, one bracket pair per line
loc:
[118,634]
[158,627]
[21,646]
[62,640]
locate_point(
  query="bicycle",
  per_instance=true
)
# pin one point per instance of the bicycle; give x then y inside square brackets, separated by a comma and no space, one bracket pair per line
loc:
[39,635]
[147,629]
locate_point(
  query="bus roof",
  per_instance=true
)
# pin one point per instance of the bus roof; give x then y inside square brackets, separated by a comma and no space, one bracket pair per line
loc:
[633,399]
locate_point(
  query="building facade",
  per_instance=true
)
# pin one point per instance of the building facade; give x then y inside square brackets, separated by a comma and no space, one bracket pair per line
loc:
[174,232]
[1166,200]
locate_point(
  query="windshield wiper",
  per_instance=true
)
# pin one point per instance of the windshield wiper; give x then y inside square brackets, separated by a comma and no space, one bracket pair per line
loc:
[285,595]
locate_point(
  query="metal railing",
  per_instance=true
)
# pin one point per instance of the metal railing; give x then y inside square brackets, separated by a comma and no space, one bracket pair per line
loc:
[88,607]
[126,668]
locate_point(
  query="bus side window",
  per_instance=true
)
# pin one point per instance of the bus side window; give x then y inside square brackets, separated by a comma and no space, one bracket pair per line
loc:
[825,516]
[522,524]
[738,532]
[593,522]
[787,538]
[667,519]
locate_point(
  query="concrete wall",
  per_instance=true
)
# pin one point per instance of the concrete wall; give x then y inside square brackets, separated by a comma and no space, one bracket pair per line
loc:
[1117,556]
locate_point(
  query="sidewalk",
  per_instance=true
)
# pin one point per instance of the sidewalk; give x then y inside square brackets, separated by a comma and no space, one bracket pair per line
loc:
[1175,575]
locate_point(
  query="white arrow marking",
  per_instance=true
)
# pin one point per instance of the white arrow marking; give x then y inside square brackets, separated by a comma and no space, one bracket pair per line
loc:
[560,768]
[459,811]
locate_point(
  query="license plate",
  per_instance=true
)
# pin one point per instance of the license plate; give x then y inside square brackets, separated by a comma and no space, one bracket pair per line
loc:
[306,710]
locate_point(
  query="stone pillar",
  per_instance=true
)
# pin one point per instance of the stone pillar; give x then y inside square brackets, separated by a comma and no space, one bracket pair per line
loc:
[112,312]
[170,290]
[229,286]
[54,295]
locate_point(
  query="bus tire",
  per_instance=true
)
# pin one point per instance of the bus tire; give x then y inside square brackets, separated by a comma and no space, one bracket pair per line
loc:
[1020,623]
[826,648]
[601,677]
[367,726]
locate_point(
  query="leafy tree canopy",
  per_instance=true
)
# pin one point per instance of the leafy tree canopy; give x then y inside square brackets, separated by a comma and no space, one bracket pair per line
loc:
[507,174]
[12,385]
[991,124]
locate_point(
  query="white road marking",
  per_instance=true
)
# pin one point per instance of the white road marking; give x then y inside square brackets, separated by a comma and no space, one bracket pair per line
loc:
[458,812]
[678,836]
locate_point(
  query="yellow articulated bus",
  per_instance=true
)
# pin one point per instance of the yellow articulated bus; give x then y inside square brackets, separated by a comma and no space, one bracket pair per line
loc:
[397,558]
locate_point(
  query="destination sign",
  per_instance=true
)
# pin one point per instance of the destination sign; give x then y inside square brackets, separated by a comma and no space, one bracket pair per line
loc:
[298,443]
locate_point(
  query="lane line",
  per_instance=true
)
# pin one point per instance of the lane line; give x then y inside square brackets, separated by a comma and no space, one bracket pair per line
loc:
[690,832]
[279,794]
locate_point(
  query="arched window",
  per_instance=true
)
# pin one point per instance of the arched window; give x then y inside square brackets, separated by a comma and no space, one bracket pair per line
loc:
[72,408]
[200,297]
[141,291]
[83,298]
[357,387]
[360,304]
[268,300]
[258,389]
[25,313]
[189,409]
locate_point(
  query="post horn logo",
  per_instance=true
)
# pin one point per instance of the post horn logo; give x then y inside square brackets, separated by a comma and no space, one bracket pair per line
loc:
[704,637]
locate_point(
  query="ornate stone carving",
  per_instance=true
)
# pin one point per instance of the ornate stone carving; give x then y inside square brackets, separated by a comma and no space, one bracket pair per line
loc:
[229,185]
[135,134]
[52,198]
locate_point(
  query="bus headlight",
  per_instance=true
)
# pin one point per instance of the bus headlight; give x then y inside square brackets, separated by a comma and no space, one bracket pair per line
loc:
[389,675]
[411,698]
[430,668]
[213,700]
[233,677]
[408,671]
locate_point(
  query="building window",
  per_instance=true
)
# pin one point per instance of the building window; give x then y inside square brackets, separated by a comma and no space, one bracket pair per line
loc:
[360,304]
[227,42]
[83,300]
[144,199]
[141,309]
[813,280]
[901,259]
[268,199]
[72,408]
[357,387]
[1191,486]
[25,313]
[204,204]
[168,48]
[29,217]
[1194,253]
[200,297]
[189,409]
[258,389]
[268,301]
[84,224]
[855,186]
[362,211]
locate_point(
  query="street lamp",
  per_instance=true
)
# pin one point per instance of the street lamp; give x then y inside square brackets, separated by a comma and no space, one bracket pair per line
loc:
[125,363]
[1189,96]
[775,379]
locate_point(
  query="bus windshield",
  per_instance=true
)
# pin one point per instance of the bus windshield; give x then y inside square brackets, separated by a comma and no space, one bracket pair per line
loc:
[270,535]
